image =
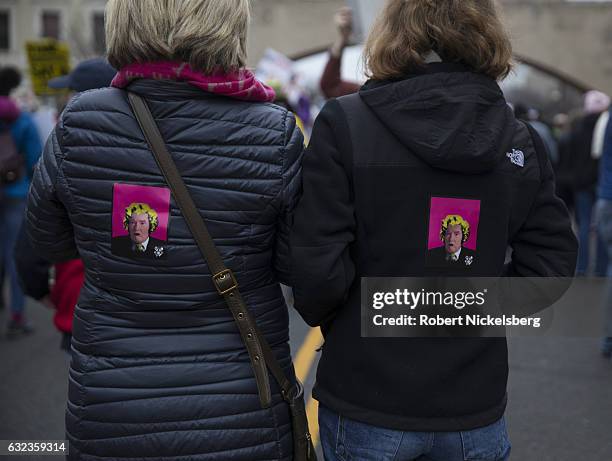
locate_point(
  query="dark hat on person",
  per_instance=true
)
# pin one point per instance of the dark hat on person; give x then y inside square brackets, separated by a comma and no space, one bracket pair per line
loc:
[10,78]
[87,75]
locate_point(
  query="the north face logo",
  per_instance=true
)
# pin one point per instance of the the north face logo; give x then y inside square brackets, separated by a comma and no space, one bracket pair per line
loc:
[517,157]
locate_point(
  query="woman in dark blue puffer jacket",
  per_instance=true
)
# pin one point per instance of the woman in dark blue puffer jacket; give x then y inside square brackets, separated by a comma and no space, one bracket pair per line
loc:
[159,370]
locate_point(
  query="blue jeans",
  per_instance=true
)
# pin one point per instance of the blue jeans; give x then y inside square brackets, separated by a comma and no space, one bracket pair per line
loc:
[11,216]
[343,439]
[585,201]
[604,225]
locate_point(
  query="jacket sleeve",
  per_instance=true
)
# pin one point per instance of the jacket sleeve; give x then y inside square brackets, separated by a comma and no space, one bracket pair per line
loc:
[324,224]
[289,195]
[545,244]
[47,223]
[32,270]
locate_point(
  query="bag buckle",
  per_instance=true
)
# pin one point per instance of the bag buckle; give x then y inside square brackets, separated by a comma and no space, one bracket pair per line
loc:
[225,282]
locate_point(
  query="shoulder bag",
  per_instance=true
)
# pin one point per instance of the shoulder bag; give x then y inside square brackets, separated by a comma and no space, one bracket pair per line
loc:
[260,353]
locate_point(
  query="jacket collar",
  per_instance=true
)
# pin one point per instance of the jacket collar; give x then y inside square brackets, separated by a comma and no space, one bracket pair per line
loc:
[428,69]
[167,90]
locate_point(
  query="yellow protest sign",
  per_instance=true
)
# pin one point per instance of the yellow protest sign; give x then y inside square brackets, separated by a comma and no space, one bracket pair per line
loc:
[47,59]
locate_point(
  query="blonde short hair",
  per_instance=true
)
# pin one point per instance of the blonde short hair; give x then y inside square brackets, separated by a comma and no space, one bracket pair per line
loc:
[141,208]
[465,31]
[210,35]
[453,220]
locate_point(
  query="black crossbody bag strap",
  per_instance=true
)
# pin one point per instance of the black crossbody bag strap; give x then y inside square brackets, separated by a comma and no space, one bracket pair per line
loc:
[261,355]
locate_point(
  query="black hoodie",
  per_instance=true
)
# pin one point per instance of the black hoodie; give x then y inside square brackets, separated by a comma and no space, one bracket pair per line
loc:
[383,164]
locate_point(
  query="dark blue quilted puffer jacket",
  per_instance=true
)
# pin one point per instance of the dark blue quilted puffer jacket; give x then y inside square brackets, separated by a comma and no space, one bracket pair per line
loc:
[158,369]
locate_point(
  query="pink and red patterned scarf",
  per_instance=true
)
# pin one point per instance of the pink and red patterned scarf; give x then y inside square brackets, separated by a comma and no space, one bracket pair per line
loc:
[241,84]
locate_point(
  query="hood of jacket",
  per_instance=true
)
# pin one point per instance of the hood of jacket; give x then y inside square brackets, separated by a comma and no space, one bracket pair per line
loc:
[451,118]
[9,112]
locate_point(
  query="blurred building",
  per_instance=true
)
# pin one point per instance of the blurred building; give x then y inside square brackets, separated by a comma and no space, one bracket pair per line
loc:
[571,37]
[293,27]
[80,23]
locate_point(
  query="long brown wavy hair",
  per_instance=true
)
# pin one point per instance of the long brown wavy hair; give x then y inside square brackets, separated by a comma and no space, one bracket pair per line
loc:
[465,31]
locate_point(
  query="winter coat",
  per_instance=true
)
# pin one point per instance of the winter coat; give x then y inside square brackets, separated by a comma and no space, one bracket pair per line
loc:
[159,370]
[383,170]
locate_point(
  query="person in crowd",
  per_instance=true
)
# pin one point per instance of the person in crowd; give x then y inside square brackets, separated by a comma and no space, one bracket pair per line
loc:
[585,168]
[35,272]
[331,82]
[532,116]
[158,368]
[431,126]
[561,124]
[19,136]
[89,74]
[563,173]
[604,223]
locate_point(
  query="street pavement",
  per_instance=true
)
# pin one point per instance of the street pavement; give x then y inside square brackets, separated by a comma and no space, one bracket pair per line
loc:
[560,392]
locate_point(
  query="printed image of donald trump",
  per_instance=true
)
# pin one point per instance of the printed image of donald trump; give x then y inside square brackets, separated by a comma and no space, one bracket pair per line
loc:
[454,232]
[140,220]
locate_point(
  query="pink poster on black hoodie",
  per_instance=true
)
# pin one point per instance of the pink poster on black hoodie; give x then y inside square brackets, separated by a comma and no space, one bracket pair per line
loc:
[453,232]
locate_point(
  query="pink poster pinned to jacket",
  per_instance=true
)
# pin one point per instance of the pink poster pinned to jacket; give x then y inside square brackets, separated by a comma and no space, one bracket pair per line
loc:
[140,221]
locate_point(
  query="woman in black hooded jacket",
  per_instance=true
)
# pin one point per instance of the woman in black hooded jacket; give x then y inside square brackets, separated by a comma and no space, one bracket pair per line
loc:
[424,172]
